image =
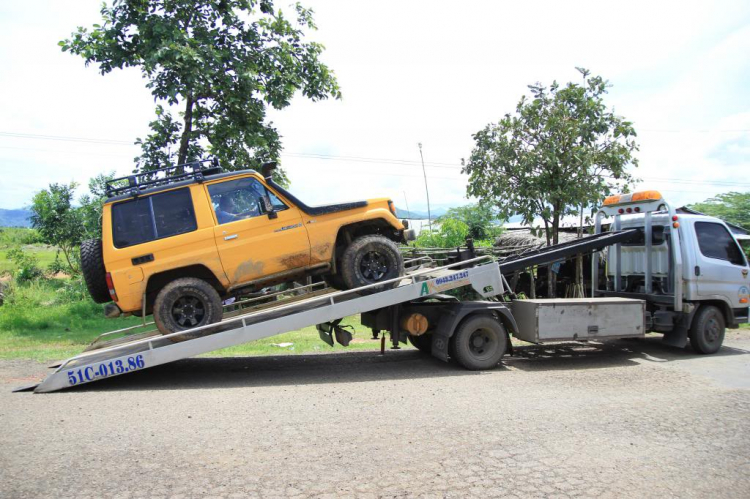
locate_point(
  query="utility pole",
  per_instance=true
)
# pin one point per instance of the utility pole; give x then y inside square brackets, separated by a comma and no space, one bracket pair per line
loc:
[429,213]
[407,205]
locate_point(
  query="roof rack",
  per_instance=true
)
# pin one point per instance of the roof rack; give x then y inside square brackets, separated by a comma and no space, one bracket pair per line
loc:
[134,184]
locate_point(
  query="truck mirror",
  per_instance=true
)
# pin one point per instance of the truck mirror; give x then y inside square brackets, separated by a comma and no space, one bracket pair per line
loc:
[268,206]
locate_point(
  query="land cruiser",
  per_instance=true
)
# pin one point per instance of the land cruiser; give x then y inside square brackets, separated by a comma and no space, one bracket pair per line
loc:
[178,241]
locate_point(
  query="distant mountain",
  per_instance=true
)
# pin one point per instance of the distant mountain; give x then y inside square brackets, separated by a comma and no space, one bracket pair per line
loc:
[419,215]
[15,218]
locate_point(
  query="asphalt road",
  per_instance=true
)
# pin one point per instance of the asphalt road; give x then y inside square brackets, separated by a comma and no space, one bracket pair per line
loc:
[628,419]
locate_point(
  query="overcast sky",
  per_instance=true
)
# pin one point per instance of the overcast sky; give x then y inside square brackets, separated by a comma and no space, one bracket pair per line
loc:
[410,72]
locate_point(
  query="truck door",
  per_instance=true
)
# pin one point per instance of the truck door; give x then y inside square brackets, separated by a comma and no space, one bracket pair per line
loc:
[252,244]
[721,269]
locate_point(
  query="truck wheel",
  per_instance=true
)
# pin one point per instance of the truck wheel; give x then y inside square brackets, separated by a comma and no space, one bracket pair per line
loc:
[479,342]
[707,330]
[423,343]
[92,268]
[185,304]
[371,259]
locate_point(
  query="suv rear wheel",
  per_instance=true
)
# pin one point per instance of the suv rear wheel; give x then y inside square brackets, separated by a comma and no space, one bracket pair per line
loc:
[185,304]
[371,259]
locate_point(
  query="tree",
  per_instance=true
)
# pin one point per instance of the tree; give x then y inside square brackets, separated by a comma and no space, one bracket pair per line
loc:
[58,221]
[732,207]
[452,233]
[479,218]
[92,204]
[221,61]
[561,150]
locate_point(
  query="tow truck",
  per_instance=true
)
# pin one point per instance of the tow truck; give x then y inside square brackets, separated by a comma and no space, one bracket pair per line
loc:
[654,270]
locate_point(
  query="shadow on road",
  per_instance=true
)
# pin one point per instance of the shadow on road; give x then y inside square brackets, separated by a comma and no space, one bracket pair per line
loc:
[202,373]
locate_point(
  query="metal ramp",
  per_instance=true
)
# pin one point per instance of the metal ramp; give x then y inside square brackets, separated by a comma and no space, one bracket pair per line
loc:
[105,359]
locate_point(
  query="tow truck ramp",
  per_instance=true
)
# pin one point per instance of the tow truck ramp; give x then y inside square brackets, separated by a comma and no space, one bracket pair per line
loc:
[143,350]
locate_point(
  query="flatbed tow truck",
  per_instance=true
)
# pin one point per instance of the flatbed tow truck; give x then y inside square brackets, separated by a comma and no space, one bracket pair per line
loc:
[665,272]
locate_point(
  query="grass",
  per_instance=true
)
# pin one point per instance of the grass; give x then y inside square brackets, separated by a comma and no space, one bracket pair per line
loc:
[53,319]
[28,240]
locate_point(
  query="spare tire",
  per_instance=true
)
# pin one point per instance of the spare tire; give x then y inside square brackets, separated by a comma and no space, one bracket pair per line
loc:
[92,267]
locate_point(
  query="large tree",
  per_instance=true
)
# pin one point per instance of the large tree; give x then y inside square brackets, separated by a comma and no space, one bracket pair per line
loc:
[562,149]
[222,62]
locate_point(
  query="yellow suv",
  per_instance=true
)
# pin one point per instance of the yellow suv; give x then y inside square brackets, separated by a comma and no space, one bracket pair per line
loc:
[178,241]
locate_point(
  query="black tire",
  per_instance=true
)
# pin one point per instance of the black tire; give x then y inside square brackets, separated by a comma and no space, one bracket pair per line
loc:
[479,342]
[423,343]
[371,259]
[92,268]
[334,281]
[185,304]
[707,330]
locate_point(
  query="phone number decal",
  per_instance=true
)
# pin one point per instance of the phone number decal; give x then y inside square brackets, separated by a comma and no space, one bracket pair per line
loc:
[105,370]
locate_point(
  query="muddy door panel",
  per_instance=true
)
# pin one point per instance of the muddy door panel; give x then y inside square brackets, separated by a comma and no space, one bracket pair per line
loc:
[260,246]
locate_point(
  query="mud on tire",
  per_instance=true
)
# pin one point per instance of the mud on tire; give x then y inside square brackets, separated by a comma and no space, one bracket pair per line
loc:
[371,259]
[92,268]
[185,304]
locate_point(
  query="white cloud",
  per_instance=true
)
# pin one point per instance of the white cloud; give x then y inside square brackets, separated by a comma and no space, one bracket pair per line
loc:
[429,72]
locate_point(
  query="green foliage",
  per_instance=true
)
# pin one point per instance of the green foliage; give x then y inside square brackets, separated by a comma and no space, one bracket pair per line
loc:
[452,233]
[27,265]
[58,222]
[92,204]
[732,207]
[222,61]
[562,149]
[480,218]
[16,236]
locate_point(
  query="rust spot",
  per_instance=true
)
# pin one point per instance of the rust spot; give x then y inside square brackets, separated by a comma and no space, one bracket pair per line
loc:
[295,261]
[248,270]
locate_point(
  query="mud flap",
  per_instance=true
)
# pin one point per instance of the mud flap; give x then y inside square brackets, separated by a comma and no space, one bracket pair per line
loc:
[330,330]
[677,337]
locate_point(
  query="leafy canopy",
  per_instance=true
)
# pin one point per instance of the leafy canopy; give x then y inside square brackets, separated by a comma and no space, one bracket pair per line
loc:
[222,61]
[562,149]
[732,207]
[480,219]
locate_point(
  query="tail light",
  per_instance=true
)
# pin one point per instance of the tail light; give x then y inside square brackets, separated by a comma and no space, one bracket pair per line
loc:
[111,286]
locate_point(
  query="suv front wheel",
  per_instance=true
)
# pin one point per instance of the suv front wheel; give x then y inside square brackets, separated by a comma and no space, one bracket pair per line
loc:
[371,259]
[185,304]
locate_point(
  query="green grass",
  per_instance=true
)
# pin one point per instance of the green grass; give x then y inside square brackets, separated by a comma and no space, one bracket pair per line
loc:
[28,240]
[52,319]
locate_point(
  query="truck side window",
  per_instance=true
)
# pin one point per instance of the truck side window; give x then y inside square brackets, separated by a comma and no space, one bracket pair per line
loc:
[154,217]
[239,199]
[715,241]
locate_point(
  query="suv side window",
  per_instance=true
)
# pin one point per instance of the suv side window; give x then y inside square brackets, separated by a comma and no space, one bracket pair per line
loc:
[715,241]
[239,199]
[153,217]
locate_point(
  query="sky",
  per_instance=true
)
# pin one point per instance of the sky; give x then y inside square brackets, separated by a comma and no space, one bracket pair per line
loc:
[429,72]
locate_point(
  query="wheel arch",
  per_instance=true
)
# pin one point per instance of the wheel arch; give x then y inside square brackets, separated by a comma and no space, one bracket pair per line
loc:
[723,306]
[156,282]
[351,231]
[459,313]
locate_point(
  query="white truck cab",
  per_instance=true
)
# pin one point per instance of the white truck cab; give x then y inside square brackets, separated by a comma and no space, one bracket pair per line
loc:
[689,268]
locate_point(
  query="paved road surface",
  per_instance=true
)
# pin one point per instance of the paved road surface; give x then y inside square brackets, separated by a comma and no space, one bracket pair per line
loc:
[629,419]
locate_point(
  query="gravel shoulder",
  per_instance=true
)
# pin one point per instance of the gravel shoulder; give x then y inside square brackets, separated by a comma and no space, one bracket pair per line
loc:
[625,419]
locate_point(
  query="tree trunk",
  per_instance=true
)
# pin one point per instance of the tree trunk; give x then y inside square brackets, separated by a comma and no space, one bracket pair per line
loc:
[551,275]
[187,130]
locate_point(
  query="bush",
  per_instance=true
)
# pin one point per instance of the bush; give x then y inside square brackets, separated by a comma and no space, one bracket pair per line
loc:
[27,268]
[18,236]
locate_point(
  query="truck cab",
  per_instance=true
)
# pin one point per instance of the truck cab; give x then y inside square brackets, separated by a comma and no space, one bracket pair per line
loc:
[688,267]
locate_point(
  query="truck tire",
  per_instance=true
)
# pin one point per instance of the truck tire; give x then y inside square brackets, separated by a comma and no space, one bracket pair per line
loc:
[423,343]
[479,342]
[370,259]
[186,303]
[92,268]
[707,330]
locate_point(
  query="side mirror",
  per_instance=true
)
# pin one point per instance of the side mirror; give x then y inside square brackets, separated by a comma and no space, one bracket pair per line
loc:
[268,206]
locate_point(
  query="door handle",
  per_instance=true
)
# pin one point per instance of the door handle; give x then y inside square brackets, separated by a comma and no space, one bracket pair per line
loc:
[233,236]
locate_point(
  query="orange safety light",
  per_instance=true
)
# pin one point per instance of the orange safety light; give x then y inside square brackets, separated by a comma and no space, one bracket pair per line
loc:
[611,200]
[646,196]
